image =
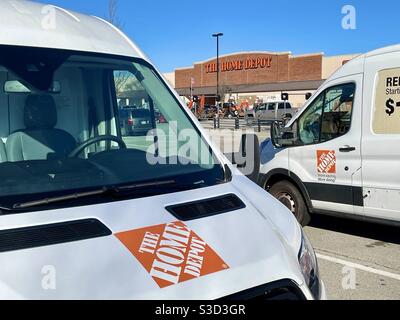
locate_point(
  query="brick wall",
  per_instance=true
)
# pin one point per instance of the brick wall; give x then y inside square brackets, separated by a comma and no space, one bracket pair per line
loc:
[305,68]
[252,68]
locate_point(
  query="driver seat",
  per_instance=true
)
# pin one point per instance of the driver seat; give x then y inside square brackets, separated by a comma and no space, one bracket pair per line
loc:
[40,139]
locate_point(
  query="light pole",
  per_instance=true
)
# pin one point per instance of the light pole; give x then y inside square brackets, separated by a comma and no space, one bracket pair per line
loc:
[217,35]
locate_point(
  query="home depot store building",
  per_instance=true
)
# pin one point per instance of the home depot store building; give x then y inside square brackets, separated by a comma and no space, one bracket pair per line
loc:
[258,76]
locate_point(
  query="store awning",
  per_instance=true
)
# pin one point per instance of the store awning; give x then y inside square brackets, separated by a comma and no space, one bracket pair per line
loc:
[268,87]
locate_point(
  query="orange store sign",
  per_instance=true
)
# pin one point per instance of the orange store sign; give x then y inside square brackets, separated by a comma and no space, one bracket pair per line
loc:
[237,65]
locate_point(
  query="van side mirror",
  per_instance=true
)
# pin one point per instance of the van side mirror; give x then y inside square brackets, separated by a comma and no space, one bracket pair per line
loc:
[275,134]
[282,136]
[248,158]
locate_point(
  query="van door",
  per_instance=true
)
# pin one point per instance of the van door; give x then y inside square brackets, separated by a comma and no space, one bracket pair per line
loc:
[381,137]
[271,111]
[329,160]
[261,111]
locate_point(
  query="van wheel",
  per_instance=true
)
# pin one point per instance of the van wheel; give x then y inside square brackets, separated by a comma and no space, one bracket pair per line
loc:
[290,196]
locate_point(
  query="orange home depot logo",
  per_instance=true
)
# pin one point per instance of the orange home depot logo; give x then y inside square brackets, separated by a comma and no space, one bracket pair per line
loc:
[172,253]
[326,161]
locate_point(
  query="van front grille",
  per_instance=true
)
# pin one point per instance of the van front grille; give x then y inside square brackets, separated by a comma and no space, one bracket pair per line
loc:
[284,290]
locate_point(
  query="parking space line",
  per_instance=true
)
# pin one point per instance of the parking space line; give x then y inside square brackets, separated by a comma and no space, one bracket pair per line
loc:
[359,267]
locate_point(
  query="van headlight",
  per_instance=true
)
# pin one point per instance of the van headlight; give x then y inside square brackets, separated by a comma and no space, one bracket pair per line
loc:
[309,266]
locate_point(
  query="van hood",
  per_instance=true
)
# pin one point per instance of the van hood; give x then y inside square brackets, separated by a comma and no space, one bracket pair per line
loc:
[221,255]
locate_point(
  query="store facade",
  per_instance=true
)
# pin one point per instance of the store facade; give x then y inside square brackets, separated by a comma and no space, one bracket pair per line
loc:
[257,76]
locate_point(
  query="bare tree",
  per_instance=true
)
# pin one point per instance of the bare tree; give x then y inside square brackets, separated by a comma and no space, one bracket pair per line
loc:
[121,77]
[121,81]
[112,14]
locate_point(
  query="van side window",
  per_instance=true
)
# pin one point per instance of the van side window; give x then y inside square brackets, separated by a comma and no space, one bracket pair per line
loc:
[283,106]
[329,116]
[136,112]
[338,108]
[310,122]
[271,106]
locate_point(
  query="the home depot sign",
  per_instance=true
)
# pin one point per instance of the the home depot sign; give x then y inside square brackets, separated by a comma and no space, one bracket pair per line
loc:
[236,65]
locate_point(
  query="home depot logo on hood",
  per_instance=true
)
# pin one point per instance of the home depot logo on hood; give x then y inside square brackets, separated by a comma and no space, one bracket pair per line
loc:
[172,253]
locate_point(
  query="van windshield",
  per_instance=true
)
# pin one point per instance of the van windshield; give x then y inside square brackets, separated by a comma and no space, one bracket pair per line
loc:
[72,122]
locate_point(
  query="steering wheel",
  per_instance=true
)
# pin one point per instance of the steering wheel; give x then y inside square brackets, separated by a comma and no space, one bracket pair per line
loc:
[87,143]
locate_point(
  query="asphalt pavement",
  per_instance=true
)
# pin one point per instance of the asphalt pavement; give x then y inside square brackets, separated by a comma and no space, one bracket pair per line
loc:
[357,260]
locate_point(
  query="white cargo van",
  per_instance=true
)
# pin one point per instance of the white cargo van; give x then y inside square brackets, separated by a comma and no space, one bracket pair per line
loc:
[340,154]
[88,212]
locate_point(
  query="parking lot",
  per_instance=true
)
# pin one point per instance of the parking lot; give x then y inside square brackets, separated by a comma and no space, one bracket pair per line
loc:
[357,260]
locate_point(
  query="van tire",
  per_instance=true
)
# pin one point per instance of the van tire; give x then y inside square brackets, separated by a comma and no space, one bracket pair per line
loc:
[288,194]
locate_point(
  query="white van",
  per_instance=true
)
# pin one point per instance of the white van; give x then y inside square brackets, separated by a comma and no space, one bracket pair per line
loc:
[89,213]
[340,154]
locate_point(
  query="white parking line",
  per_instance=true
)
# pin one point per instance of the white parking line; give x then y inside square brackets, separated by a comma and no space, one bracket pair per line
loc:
[359,267]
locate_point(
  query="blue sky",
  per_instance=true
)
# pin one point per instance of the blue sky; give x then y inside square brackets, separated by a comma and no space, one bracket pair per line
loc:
[176,33]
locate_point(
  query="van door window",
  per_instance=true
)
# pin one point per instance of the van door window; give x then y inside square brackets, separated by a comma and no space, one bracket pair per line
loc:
[271,106]
[134,112]
[282,106]
[262,107]
[338,108]
[310,122]
[148,118]
[329,116]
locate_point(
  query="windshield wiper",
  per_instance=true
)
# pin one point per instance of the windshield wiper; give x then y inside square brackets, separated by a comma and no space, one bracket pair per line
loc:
[67,197]
[5,209]
[111,190]
[144,185]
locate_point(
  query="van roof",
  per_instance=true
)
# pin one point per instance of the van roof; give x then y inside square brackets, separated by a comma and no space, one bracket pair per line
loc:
[356,65]
[384,50]
[27,23]
[276,101]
